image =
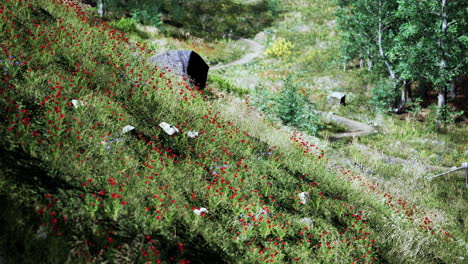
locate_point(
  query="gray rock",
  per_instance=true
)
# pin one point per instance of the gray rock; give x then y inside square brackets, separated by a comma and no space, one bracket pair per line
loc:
[168,128]
[185,63]
[192,134]
[337,98]
[307,221]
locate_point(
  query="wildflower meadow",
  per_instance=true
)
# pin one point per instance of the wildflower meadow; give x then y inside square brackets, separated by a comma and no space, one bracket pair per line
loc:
[106,158]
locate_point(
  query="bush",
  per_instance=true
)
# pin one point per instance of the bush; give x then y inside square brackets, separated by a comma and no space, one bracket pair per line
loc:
[383,95]
[218,19]
[414,107]
[295,109]
[147,16]
[144,12]
[124,24]
[280,48]
[274,6]
[441,117]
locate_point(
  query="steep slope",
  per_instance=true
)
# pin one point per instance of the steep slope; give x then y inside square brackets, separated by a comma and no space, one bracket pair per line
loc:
[77,187]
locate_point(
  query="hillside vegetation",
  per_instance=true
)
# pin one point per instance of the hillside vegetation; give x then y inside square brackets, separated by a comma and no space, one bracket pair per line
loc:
[75,187]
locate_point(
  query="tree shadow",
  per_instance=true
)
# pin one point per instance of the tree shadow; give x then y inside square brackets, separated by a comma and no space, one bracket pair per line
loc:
[216,19]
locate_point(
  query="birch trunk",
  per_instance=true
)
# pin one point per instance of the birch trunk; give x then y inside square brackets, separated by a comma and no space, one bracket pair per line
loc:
[381,51]
[405,93]
[101,9]
[361,61]
[442,96]
[390,70]
[453,89]
[369,61]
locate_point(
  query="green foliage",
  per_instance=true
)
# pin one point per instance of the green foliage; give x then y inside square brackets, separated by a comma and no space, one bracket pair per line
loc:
[291,107]
[281,48]
[414,107]
[147,12]
[440,117]
[226,85]
[294,108]
[147,16]
[413,40]
[124,24]
[274,6]
[448,114]
[383,95]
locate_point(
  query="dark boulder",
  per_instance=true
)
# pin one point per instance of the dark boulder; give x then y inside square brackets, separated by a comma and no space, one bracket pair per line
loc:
[183,62]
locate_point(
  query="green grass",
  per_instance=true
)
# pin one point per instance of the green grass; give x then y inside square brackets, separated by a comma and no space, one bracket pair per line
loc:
[75,189]
[329,128]
[226,86]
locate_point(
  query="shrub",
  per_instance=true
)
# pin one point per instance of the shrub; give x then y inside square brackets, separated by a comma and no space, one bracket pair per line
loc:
[414,107]
[295,109]
[280,48]
[440,117]
[383,95]
[274,6]
[147,17]
[125,24]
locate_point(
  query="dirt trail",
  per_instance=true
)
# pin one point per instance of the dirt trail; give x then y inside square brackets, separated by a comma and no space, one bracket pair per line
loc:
[355,128]
[255,51]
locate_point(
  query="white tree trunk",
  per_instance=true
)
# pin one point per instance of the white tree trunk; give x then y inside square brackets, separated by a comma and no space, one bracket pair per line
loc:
[392,74]
[381,51]
[405,93]
[442,96]
[361,61]
[369,61]
[441,99]
[101,9]
[453,89]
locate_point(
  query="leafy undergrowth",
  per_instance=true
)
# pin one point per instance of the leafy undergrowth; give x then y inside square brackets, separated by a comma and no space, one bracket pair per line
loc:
[76,188]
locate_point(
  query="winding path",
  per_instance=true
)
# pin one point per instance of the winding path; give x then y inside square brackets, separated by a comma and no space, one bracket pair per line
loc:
[355,128]
[255,51]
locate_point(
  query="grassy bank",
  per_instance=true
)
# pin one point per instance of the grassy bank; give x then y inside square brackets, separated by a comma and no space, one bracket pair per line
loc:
[76,188]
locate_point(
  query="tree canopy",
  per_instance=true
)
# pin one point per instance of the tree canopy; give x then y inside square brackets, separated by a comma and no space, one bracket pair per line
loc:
[411,40]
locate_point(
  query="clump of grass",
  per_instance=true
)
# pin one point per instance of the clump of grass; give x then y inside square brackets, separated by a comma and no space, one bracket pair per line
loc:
[226,85]
[125,24]
[329,128]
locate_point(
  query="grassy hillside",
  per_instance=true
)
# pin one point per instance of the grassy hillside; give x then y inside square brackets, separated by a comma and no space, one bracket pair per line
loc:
[75,188]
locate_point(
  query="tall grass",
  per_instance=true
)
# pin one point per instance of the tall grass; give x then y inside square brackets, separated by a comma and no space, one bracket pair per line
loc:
[75,188]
